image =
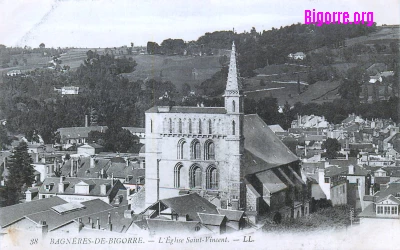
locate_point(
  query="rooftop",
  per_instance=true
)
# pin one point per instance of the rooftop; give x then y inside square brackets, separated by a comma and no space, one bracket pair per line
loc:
[16,212]
[184,109]
[259,155]
[191,205]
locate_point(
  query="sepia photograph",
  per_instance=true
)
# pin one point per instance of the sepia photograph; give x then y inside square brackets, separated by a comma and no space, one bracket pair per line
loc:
[214,124]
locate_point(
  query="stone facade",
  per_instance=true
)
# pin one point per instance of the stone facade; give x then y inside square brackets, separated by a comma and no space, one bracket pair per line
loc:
[196,148]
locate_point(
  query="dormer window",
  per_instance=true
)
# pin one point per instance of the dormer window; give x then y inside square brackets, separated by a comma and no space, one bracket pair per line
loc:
[82,188]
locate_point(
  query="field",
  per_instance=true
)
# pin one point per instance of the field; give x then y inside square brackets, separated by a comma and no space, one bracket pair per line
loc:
[177,69]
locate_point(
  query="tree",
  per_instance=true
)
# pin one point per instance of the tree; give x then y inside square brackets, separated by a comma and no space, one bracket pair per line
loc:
[186,89]
[332,147]
[4,140]
[20,175]
[42,46]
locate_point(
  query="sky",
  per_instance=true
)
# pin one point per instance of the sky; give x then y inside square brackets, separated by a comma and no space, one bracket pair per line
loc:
[113,23]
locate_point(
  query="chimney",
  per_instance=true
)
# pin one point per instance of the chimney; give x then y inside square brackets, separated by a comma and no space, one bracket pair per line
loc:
[86,121]
[98,223]
[43,227]
[126,162]
[61,186]
[109,225]
[92,162]
[91,223]
[80,224]
[103,189]
[351,169]
[321,176]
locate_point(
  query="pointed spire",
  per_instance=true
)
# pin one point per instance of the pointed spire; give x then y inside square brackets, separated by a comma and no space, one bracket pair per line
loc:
[232,83]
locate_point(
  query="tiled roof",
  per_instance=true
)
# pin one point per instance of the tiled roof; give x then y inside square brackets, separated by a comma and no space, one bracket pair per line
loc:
[55,220]
[16,212]
[195,110]
[263,149]
[211,219]
[190,205]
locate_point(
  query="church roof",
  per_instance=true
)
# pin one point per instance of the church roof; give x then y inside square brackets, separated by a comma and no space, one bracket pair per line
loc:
[195,110]
[263,149]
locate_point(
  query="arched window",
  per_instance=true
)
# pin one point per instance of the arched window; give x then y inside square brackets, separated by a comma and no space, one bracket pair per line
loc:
[212,178]
[190,126]
[170,125]
[233,106]
[195,150]
[181,149]
[209,127]
[180,126]
[209,150]
[200,130]
[195,176]
[178,175]
[233,128]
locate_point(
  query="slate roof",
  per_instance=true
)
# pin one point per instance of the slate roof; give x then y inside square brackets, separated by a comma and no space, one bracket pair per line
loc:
[120,170]
[334,170]
[195,110]
[382,179]
[190,205]
[270,181]
[263,149]
[16,212]
[232,215]
[392,189]
[211,219]
[79,132]
[368,212]
[84,169]
[135,129]
[119,223]
[343,163]
[276,128]
[55,220]
[71,182]
[389,197]
[172,227]
[91,145]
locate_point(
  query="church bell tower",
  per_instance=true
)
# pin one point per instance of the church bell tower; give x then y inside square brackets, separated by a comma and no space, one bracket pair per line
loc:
[235,140]
[233,93]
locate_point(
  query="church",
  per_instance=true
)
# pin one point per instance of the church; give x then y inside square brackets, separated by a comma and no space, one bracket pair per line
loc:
[233,160]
